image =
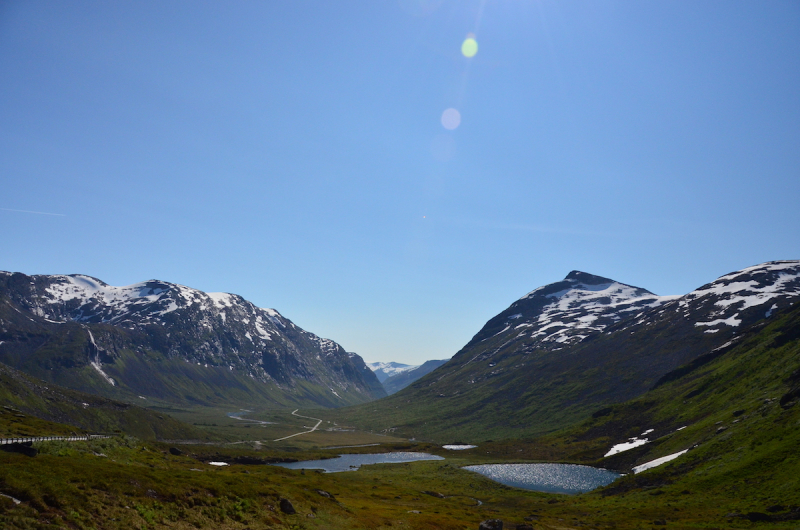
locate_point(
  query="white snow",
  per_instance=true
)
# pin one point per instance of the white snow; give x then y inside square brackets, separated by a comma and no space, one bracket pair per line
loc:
[771,309]
[218,464]
[221,300]
[730,321]
[458,447]
[624,446]
[96,365]
[657,462]
[391,368]
[13,499]
[750,287]
[589,308]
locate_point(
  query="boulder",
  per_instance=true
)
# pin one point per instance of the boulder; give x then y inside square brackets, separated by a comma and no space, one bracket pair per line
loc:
[287,507]
[491,524]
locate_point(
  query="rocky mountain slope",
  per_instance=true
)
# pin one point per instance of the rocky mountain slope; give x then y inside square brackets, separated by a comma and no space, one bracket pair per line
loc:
[160,341]
[570,347]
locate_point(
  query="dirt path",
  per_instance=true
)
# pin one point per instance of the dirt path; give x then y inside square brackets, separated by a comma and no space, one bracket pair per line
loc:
[314,428]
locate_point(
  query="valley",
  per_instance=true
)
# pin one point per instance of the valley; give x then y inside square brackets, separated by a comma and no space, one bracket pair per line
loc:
[702,426]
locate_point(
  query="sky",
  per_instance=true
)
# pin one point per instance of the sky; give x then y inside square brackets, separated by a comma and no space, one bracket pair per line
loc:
[348,165]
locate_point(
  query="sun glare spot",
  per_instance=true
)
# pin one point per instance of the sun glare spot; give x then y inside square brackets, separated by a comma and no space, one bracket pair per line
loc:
[451,119]
[470,46]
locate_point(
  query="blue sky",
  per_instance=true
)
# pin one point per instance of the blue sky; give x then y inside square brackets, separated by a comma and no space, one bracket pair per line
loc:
[293,152]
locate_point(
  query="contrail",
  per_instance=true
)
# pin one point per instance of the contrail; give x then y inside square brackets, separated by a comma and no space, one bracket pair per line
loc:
[38,213]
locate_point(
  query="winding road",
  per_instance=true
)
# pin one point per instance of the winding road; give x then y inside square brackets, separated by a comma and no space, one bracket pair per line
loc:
[314,428]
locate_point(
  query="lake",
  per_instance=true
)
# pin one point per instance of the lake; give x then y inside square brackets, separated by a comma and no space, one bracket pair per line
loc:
[550,478]
[353,462]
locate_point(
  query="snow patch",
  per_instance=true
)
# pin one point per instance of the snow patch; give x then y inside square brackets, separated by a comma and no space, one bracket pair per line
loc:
[624,446]
[657,462]
[730,321]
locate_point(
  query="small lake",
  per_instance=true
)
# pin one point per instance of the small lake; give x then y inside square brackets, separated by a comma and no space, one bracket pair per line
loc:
[549,478]
[353,462]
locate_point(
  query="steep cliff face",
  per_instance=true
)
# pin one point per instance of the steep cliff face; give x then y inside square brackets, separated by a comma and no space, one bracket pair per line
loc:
[170,342]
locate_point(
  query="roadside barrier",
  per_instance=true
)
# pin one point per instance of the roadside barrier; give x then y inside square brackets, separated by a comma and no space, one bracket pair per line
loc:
[28,439]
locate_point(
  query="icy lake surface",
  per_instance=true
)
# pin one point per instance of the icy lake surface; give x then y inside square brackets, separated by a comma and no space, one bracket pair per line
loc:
[550,478]
[353,462]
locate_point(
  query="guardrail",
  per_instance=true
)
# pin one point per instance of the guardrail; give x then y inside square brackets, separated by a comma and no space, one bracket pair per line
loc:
[27,439]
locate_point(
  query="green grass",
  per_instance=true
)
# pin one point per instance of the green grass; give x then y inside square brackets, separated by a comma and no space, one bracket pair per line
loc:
[744,460]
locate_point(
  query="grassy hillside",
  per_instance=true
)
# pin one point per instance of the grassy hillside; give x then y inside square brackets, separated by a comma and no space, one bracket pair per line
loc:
[517,392]
[735,410]
[34,407]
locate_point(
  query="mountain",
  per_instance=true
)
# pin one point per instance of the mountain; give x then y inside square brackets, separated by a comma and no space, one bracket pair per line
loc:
[729,419]
[165,342]
[64,411]
[402,379]
[568,348]
[384,371]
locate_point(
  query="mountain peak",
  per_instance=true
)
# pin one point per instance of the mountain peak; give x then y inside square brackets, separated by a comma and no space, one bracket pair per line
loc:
[585,277]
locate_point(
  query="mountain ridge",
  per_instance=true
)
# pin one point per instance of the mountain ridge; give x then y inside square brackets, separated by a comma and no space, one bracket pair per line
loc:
[200,342]
[576,346]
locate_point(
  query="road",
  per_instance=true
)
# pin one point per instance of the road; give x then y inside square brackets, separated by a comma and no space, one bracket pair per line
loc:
[314,428]
[21,440]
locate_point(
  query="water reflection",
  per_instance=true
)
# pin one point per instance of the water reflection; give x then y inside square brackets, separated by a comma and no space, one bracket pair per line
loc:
[353,462]
[550,478]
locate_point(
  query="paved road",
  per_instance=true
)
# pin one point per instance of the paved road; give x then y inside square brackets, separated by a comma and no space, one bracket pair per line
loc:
[26,439]
[314,428]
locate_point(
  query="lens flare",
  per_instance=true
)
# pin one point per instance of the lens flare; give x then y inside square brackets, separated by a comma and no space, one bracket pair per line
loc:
[470,46]
[451,119]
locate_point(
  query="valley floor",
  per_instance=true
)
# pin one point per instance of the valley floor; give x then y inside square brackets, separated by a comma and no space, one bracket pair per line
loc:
[125,483]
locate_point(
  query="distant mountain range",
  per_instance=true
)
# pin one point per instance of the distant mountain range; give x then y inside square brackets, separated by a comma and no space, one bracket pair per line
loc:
[162,342]
[384,371]
[565,349]
[396,376]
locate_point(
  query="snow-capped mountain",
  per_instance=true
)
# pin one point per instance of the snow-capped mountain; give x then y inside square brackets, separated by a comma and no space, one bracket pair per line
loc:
[229,337]
[396,376]
[384,371]
[566,348]
[402,379]
[566,312]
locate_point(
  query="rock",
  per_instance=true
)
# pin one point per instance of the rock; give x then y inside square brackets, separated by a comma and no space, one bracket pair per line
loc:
[491,524]
[287,507]
[434,494]
[524,527]
[175,451]
[660,522]
[325,494]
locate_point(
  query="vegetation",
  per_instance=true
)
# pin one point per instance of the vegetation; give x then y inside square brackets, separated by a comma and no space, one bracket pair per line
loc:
[734,410]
